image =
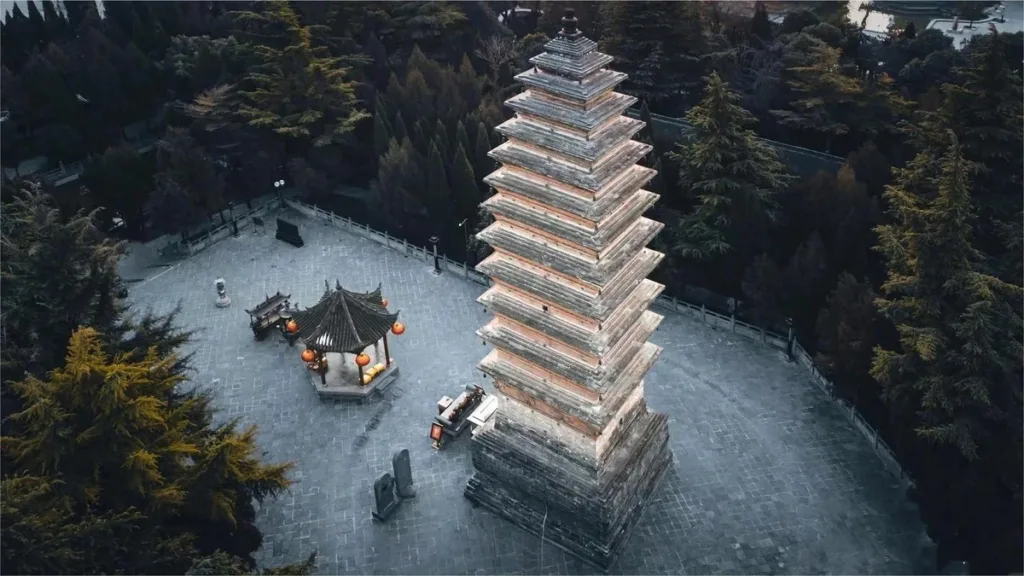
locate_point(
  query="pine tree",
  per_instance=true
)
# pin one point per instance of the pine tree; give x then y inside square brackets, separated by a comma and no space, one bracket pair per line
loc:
[733,177]
[805,277]
[297,90]
[122,437]
[647,132]
[464,186]
[188,187]
[120,181]
[953,380]
[438,199]
[56,25]
[959,334]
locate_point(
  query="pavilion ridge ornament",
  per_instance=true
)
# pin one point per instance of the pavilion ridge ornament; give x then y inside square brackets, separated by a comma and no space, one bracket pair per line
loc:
[572,449]
[223,301]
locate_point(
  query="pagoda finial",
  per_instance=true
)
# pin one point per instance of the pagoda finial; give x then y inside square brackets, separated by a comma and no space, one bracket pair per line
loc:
[569,22]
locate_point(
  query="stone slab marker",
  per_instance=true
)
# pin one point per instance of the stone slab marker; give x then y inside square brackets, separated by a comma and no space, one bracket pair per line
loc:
[402,467]
[385,500]
[572,446]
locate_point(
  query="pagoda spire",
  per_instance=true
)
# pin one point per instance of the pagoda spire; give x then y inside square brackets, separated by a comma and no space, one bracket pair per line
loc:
[572,446]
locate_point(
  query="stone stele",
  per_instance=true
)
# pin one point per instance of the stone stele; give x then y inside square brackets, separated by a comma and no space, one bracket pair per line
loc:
[572,450]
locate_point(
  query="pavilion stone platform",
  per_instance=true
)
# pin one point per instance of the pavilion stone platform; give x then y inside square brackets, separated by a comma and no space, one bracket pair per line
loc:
[572,454]
[343,374]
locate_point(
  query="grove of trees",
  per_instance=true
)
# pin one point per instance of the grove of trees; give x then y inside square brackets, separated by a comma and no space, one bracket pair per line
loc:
[901,273]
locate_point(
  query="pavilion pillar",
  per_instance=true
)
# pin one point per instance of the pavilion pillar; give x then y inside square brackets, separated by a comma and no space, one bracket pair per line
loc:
[387,352]
[360,373]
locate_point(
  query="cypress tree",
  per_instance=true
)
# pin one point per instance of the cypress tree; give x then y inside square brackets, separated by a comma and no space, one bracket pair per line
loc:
[648,130]
[444,144]
[482,163]
[419,137]
[381,131]
[398,128]
[37,25]
[461,139]
[439,195]
[464,186]
[56,25]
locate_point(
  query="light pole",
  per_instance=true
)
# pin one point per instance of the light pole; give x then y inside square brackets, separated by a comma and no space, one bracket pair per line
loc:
[279,186]
[465,231]
[437,263]
[789,339]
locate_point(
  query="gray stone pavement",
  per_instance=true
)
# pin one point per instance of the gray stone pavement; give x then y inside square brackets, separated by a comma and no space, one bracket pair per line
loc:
[769,478]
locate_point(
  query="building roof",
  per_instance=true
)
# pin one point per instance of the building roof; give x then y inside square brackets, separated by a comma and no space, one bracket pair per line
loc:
[344,321]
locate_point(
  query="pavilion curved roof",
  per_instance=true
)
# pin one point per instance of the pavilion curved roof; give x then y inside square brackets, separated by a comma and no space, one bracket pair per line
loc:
[344,321]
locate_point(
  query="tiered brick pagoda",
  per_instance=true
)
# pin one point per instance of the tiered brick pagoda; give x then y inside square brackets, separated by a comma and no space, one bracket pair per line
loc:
[572,452]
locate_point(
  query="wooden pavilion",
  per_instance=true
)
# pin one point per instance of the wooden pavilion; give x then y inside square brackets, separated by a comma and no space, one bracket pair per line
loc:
[346,339]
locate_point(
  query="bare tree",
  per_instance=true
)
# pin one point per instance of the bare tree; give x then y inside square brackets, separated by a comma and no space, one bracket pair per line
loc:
[497,51]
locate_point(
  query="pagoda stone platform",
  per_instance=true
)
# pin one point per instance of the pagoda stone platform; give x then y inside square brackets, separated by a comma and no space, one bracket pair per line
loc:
[547,489]
[343,377]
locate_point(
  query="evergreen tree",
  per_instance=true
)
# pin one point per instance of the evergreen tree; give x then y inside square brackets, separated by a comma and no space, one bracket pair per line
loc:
[297,90]
[647,132]
[58,273]
[401,187]
[661,46]
[805,277]
[42,534]
[123,439]
[483,164]
[846,335]
[438,200]
[464,187]
[56,25]
[444,146]
[381,130]
[398,128]
[461,139]
[37,26]
[188,187]
[419,137]
[733,177]
[954,378]
[764,292]
[760,25]
[121,181]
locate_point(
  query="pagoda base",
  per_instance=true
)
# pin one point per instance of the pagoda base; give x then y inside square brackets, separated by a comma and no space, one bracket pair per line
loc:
[548,492]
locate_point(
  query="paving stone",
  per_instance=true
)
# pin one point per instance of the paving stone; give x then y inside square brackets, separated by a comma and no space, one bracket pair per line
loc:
[768,476]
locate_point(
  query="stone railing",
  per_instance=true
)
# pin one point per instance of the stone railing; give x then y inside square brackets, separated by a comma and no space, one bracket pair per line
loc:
[214,235]
[713,319]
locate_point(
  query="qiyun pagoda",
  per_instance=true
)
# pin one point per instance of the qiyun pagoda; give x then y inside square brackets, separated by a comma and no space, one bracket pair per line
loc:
[572,452]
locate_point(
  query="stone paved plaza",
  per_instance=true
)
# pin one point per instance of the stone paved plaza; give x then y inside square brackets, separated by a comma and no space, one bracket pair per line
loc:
[768,478]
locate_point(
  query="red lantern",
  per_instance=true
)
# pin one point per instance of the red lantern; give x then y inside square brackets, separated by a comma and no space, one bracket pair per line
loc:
[384,302]
[308,355]
[398,328]
[363,359]
[291,326]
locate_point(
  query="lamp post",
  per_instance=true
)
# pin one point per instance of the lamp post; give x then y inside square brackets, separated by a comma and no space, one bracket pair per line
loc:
[465,231]
[789,339]
[279,186]
[437,263]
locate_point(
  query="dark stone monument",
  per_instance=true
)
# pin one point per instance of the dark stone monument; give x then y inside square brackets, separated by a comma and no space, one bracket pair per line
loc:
[384,498]
[402,467]
[288,232]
